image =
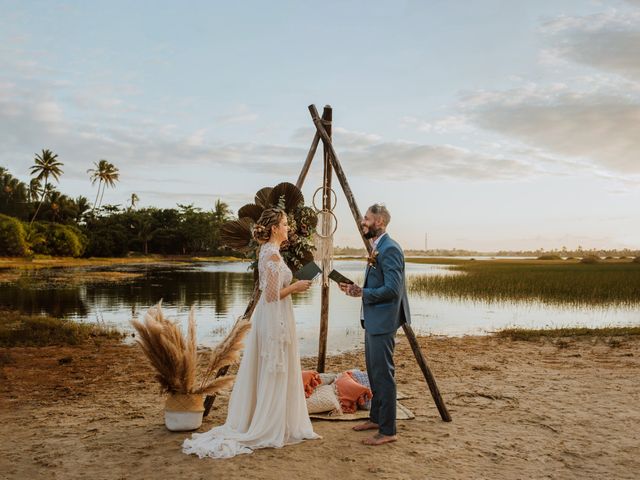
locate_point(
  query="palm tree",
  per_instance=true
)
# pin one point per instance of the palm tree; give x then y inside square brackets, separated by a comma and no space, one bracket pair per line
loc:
[145,233]
[111,176]
[95,174]
[221,212]
[134,199]
[35,187]
[82,205]
[46,165]
[106,173]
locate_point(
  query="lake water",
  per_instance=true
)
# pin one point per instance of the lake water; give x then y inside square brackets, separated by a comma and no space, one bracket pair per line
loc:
[220,292]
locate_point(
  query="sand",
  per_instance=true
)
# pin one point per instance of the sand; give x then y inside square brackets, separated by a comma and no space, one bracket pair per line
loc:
[528,410]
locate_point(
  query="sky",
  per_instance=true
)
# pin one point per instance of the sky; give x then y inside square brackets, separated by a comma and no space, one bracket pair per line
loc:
[485,125]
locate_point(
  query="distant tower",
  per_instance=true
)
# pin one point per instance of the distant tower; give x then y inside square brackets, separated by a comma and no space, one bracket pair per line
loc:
[425,241]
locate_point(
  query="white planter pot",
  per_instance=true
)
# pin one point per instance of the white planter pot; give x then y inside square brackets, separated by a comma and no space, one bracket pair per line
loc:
[182,421]
[183,412]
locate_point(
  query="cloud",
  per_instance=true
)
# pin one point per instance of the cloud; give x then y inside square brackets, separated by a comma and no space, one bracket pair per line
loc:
[406,161]
[242,114]
[606,41]
[233,199]
[595,127]
[590,119]
[341,137]
[449,124]
[369,155]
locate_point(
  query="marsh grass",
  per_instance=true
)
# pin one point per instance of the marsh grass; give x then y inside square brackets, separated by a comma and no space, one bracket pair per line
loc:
[614,283]
[46,261]
[525,334]
[17,329]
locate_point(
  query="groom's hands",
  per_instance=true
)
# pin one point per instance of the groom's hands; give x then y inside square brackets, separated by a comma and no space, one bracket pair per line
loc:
[351,289]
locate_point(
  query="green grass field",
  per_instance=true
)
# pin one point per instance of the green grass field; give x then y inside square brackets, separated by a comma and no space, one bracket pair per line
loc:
[609,283]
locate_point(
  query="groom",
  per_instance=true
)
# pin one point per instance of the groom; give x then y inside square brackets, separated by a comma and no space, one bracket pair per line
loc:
[384,308]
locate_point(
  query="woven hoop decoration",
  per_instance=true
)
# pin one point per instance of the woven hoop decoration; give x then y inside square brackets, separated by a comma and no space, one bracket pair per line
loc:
[331,207]
[179,402]
[335,225]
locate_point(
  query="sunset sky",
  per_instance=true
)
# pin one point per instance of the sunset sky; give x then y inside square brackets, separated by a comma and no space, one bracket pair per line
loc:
[485,124]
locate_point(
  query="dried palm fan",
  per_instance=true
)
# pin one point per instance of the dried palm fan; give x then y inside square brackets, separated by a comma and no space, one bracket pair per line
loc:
[237,233]
[175,357]
[290,193]
[250,210]
[262,197]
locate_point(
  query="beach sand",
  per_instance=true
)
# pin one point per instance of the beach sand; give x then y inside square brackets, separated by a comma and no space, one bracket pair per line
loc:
[521,410]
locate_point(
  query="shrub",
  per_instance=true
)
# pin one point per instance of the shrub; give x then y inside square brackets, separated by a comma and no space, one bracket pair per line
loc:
[636,260]
[107,241]
[13,238]
[548,256]
[60,240]
[591,259]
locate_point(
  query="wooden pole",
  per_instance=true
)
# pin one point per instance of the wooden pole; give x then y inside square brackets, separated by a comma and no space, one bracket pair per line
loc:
[342,178]
[312,152]
[327,118]
[309,159]
[253,301]
[411,336]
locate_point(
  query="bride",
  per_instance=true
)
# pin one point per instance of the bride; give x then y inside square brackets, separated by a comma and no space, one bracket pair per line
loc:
[267,406]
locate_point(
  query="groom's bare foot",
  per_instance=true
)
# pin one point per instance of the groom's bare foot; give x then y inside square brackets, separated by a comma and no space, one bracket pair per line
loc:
[366,426]
[379,439]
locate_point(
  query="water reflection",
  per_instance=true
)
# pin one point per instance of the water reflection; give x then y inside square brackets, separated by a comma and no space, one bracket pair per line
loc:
[220,292]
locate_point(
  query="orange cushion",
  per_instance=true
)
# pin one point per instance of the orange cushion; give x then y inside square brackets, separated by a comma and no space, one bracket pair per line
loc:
[351,393]
[310,380]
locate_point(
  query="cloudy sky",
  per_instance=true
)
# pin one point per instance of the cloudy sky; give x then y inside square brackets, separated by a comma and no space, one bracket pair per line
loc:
[484,124]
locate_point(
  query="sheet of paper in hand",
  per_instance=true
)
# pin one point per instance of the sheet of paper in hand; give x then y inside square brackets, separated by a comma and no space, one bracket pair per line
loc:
[310,271]
[339,278]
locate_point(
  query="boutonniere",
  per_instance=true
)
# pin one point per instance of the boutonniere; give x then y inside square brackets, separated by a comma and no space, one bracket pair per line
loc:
[372,260]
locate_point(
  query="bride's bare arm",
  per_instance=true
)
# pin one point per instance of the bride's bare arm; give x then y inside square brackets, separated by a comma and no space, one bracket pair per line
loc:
[296,287]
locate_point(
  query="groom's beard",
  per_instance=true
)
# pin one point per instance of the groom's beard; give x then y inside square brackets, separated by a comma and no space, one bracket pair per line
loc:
[372,232]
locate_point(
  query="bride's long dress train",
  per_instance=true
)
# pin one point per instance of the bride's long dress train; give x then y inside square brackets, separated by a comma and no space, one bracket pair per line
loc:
[267,407]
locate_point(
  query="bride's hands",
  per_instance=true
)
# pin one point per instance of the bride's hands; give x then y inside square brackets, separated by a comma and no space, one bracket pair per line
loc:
[301,286]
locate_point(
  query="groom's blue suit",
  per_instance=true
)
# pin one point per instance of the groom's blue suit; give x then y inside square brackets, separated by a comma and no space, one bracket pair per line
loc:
[385,308]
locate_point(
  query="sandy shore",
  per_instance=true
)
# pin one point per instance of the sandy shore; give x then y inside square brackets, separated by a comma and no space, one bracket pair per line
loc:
[521,410]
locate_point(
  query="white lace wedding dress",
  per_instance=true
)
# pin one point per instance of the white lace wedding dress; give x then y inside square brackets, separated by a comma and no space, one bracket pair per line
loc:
[267,407]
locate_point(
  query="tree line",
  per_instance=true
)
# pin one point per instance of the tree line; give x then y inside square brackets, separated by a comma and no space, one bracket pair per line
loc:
[36,218]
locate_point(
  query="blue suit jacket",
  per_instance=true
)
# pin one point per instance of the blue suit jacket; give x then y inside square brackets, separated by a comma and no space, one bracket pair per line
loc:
[384,295]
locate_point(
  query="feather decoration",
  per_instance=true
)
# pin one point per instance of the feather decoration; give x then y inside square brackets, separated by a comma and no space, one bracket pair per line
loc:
[227,351]
[175,358]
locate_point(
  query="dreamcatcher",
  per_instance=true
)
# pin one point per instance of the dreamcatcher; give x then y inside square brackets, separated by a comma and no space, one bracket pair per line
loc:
[326,227]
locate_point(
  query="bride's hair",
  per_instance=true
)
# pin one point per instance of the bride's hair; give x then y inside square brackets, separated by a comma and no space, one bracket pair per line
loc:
[262,228]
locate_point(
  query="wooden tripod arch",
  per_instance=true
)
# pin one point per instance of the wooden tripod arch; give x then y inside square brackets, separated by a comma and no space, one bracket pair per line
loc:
[332,164]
